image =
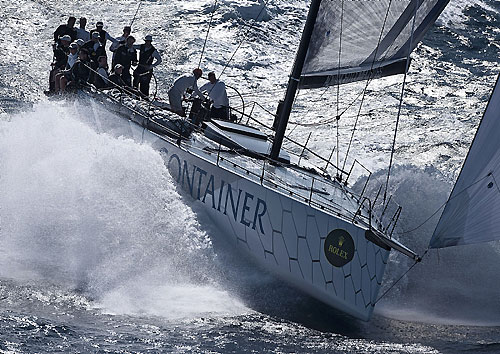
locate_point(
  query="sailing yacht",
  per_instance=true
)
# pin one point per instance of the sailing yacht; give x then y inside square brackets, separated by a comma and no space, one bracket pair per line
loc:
[294,219]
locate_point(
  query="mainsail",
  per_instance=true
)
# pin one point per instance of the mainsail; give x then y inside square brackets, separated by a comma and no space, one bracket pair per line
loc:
[472,212]
[356,40]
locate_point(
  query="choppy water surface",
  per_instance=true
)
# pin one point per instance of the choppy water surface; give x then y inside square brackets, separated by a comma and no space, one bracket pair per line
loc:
[100,253]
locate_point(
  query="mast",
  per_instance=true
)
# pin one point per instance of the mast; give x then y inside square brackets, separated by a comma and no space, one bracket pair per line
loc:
[293,82]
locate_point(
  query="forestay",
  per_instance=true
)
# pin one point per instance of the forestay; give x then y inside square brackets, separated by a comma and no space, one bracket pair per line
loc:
[472,212]
[355,40]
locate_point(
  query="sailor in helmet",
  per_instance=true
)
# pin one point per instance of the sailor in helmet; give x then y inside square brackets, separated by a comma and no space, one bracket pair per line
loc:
[181,85]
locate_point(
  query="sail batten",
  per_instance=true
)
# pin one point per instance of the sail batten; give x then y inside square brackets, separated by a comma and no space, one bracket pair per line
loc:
[372,33]
[471,214]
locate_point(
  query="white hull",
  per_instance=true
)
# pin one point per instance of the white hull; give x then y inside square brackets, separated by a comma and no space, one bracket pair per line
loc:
[284,233]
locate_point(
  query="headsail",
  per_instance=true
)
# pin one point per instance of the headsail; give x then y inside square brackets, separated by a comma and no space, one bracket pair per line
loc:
[368,39]
[472,212]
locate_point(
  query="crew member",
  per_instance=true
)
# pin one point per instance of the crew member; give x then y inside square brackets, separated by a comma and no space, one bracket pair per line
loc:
[61,52]
[71,60]
[80,72]
[126,55]
[121,39]
[68,28]
[116,77]
[101,77]
[181,84]
[217,92]
[144,70]
[115,80]
[95,49]
[103,35]
[82,33]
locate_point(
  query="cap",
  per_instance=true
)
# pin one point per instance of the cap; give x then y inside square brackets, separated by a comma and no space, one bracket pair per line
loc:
[79,42]
[197,71]
[148,38]
[99,24]
[118,66]
[95,35]
[66,37]
[83,50]
[127,28]
[211,73]
[73,45]
[131,37]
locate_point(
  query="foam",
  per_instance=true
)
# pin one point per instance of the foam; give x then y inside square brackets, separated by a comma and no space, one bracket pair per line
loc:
[96,213]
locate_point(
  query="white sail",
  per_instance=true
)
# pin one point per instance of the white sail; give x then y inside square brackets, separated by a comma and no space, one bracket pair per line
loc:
[356,40]
[472,214]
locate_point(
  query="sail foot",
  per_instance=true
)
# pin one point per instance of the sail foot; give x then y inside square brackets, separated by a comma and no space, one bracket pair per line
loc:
[340,77]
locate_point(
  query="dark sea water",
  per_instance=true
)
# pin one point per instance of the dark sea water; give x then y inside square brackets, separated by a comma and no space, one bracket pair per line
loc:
[100,253]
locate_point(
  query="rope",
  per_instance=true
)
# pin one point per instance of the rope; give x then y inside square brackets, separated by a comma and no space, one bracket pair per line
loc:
[136,11]
[366,86]
[401,100]
[243,39]
[208,31]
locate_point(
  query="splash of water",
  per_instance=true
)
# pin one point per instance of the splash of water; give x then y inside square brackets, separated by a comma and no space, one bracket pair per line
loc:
[88,211]
[456,285]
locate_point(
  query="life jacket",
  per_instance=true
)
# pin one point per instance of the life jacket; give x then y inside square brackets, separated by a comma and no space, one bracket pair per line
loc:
[146,55]
[125,57]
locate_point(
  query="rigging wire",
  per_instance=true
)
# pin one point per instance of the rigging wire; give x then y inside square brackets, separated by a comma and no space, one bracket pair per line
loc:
[338,81]
[417,5]
[295,100]
[136,12]
[367,83]
[208,31]
[401,277]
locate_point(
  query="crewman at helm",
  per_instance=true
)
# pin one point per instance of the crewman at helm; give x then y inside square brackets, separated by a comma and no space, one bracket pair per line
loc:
[180,86]
[216,90]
